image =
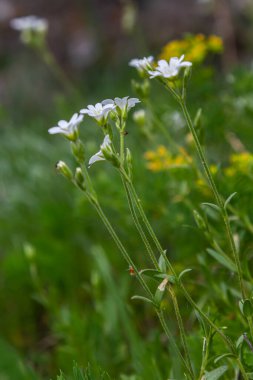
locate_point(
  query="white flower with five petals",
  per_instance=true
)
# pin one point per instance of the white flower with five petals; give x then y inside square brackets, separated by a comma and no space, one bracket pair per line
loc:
[141,64]
[123,105]
[31,23]
[68,128]
[99,156]
[169,69]
[99,112]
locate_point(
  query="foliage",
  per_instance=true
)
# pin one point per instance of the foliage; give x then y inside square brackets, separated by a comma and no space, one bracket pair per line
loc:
[65,290]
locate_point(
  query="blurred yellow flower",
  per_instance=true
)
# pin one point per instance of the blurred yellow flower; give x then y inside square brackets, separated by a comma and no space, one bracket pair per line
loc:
[215,43]
[194,47]
[161,159]
[240,163]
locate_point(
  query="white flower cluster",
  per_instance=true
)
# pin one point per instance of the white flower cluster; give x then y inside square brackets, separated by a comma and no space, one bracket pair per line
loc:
[100,112]
[30,23]
[164,69]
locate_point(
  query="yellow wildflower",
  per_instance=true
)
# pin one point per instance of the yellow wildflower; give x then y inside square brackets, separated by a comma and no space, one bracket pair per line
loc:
[240,163]
[161,159]
[194,47]
[215,43]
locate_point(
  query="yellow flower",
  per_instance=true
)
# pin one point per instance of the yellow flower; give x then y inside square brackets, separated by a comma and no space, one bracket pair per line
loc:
[215,44]
[240,163]
[161,159]
[194,47]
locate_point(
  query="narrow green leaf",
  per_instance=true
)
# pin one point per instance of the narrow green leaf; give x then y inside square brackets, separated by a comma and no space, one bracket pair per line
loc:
[184,272]
[145,299]
[229,199]
[216,373]
[227,355]
[212,205]
[239,341]
[222,259]
[162,263]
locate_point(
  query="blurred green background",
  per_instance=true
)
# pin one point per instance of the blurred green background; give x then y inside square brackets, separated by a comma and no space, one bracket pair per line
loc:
[64,289]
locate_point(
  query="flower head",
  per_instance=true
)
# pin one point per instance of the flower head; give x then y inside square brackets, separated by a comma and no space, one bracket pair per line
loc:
[142,64]
[33,23]
[99,156]
[99,112]
[169,70]
[32,28]
[123,105]
[68,128]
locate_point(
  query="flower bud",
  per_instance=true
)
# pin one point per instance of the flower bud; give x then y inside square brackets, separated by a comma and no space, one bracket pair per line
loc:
[63,168]
[29,251]
[199,220]
[79,178]
[78,150]
[140,117]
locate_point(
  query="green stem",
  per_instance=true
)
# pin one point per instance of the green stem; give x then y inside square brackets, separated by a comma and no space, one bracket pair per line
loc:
[125,254]
[217,196]
[205,353]
[173,343]
[138,225]
[243,372]
[226,340]
[122,249]
[181,328]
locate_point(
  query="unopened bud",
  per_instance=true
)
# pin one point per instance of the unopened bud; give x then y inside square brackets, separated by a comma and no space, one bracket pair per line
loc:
[140,117]
[199,220]
[110,156]
[79,178]
[142,89]
[63,168]
[29,251]
[78,150]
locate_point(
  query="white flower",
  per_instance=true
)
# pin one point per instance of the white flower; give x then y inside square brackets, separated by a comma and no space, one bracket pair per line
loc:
[99,156]
[31,23]
[123,104]
[171,69]
[99,112]
[68,128]
[141,64]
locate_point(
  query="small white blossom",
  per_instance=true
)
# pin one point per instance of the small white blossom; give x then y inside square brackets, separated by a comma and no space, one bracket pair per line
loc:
[141,64]
[99,156]
[32,23]
[122,104]
[169,70]
[99,112]
[68,128]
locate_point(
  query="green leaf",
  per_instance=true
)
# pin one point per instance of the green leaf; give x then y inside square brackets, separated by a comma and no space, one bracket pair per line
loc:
[145,299]
[149,272]
[160,292]
[216,373]
[227,355]
[246,307]
[184,272]
[229,199]
[222,259]
[239,341]
[212,205]
[162,263]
